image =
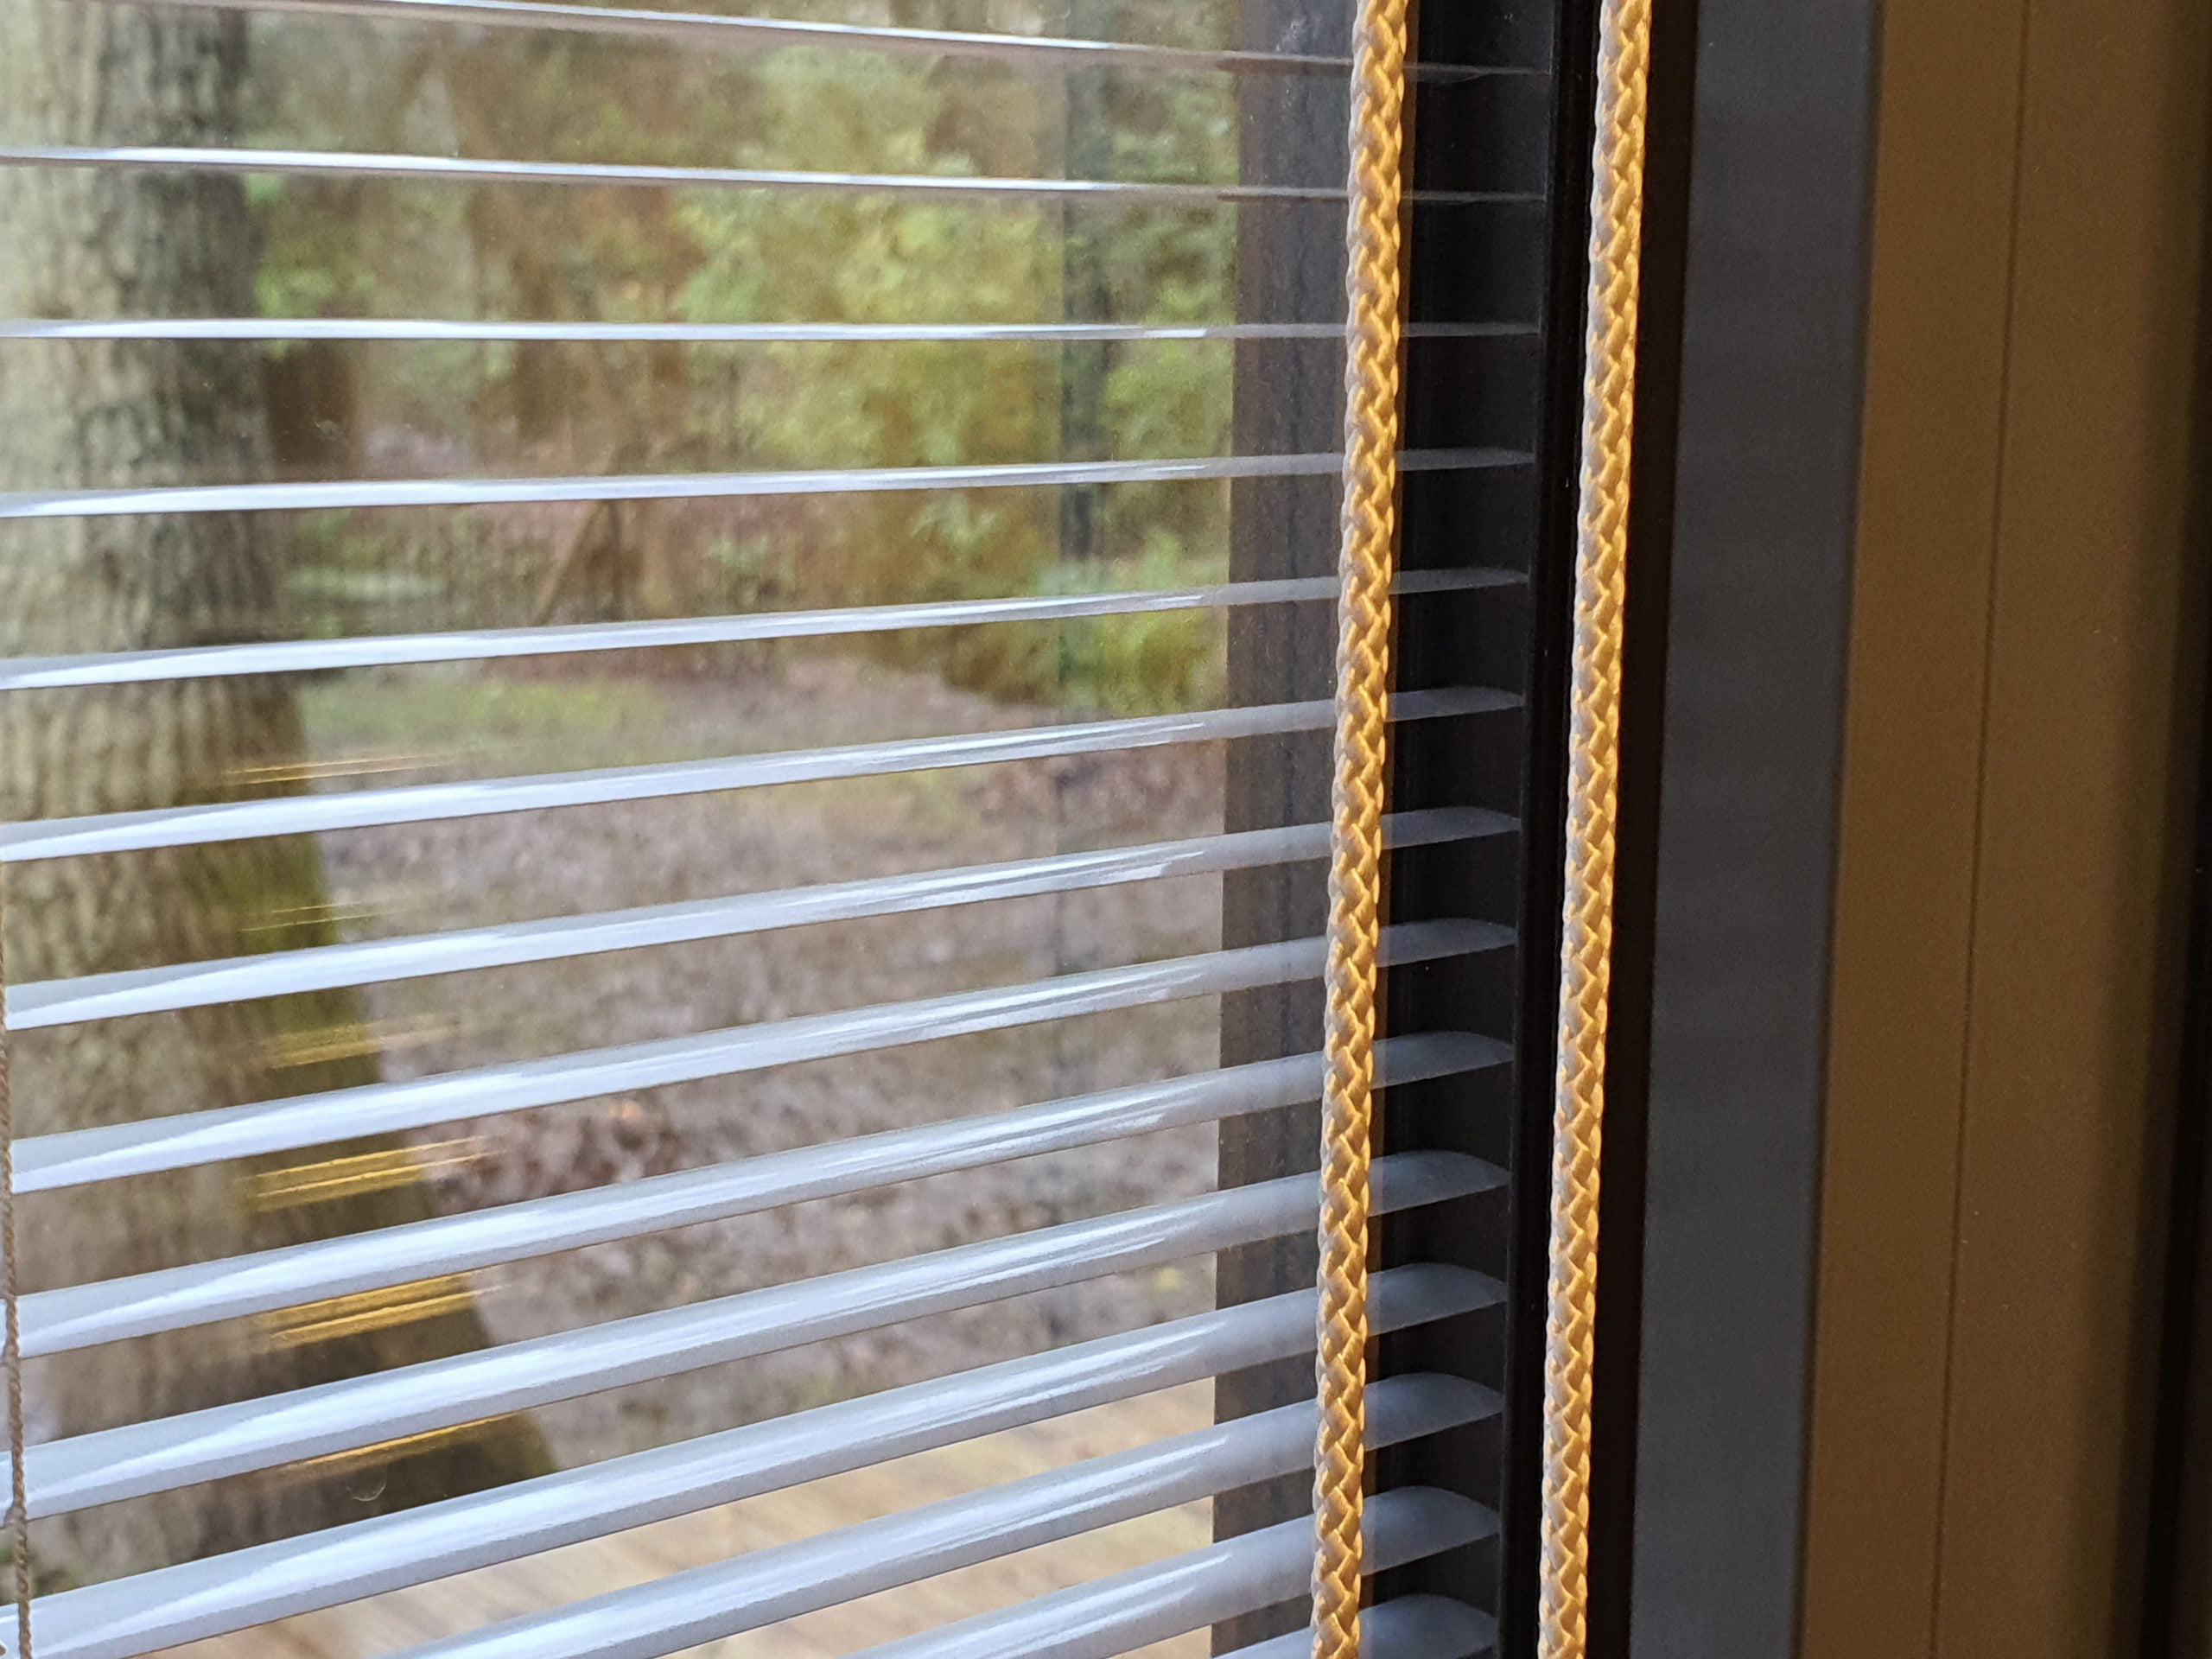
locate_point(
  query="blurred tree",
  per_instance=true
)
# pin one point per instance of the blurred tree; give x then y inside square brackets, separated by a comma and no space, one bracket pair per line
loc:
[113,243]
[723,256]
[1087,152]
[109,242]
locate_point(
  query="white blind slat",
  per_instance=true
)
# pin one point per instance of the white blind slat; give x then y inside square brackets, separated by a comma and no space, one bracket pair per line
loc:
[428,328]
[111,1152]
[160,1455]
[180,158]
[291,815]
[1059,55]
[302,656]
[379,961]
[1239,1575]
[80,1316]
[770,1585]
[220,1594]
[692,486]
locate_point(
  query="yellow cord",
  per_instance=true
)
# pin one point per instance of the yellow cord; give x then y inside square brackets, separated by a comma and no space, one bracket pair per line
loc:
[1370,527]
[1363,673]
[1593,767]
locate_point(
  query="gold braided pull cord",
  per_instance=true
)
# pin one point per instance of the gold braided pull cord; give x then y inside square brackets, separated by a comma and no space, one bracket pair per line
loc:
[1370,525]
[1593,768]
[11,1326]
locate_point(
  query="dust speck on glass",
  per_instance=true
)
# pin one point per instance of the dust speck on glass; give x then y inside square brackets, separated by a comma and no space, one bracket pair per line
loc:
[665,716]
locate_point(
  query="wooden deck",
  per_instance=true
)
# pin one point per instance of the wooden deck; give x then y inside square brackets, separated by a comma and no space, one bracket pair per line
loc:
[463,1603]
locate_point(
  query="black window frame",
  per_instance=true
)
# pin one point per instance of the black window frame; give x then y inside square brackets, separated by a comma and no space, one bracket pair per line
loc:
[1509,262]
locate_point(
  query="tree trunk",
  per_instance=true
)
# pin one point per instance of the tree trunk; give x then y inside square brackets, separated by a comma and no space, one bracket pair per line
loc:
[100,242]
[1087,152]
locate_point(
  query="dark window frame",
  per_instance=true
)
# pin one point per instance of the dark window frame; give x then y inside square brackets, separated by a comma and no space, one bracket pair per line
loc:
[1501,263]
[1932,694]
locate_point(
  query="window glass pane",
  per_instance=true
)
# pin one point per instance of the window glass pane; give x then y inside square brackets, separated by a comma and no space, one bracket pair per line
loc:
[787,623]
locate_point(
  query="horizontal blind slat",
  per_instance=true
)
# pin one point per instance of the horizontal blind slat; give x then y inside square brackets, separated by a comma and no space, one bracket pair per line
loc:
[287,815]
[139,1459]
[660,487]
[1412,1627]
[426,328]
[770,1585]
[1058,53]
[183,158]
[1164,1600]
[215,1596]
[110,1152]
[46,1003]
[82,1316]
[304,656]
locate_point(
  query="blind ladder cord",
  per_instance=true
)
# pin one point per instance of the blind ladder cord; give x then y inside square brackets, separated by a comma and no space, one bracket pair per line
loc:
[19,1522]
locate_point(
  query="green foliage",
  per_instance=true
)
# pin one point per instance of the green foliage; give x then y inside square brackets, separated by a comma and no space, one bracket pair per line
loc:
[1155,662]
[725,256]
